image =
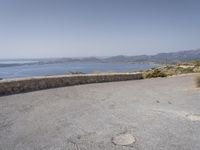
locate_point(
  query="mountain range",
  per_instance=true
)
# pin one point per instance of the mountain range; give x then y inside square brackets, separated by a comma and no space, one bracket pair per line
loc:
[161,58]
[173,57]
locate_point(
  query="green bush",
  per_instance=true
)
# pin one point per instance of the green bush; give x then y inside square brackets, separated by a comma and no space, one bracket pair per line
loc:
[185,70]
[155,73]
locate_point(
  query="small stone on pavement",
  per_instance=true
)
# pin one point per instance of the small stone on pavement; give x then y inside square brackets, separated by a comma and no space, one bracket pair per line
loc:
[124,139]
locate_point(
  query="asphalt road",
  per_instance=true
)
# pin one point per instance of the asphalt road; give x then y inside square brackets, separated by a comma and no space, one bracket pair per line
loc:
[157,112]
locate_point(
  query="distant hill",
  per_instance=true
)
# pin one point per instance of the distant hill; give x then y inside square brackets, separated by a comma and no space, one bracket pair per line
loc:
[173,57]
[169,58]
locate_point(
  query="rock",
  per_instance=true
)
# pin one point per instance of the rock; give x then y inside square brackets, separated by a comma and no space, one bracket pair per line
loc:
[194,117]
[123,139]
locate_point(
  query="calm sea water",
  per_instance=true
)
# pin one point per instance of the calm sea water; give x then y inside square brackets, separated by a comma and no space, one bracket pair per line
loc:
[64,68]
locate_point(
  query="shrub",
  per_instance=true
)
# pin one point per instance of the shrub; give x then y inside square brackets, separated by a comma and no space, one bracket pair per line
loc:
[155,73]
[197,64]
[181,70]
[77,72]
[169,67]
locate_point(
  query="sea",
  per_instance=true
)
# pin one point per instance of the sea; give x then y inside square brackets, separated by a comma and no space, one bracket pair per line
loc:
[21,69]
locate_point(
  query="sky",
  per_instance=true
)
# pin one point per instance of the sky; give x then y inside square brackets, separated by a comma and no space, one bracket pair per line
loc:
[83,28]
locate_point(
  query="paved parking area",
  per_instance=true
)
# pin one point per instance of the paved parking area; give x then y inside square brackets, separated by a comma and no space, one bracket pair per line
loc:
[161,114]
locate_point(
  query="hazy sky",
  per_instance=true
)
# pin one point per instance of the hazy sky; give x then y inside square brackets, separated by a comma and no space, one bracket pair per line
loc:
[74,28]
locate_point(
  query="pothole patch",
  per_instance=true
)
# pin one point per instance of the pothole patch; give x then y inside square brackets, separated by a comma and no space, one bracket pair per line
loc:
[124,139]
[193,117]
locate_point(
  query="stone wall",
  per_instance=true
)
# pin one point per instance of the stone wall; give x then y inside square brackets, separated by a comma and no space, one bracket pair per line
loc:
[14,86]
